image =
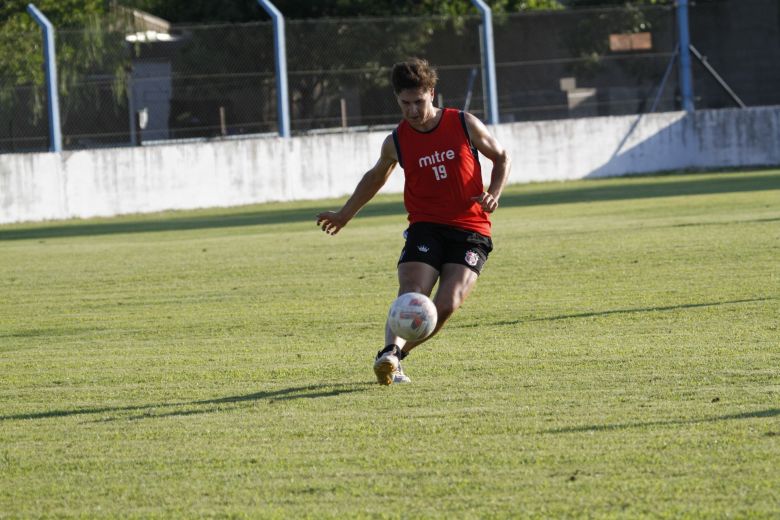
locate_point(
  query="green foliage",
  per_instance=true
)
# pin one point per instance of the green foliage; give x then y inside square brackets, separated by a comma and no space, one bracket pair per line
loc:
[183,11]
[62,13]
[614,3]
[85,44]
[617,359]
[21,52]
[201,11]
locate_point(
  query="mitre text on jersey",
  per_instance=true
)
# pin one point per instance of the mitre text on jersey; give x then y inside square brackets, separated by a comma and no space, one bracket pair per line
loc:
[436,158]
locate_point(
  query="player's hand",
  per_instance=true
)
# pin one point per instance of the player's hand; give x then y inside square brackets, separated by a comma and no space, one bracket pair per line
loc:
[331,222]
[487,201]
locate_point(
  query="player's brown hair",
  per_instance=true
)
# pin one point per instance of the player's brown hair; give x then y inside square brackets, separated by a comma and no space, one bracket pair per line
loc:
[414,73]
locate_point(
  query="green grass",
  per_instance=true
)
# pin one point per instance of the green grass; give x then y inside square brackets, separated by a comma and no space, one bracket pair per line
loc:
[619,358]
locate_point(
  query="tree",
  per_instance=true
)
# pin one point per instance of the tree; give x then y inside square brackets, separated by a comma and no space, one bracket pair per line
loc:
[613,3]
[21,52]
[191,11]
[87,42]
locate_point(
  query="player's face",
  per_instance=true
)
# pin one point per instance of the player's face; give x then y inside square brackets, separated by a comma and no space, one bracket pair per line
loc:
[416,105]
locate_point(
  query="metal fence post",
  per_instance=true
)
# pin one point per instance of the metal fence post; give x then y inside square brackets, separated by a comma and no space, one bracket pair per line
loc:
[282,97]
[488,61]
[686,77]
[50,63]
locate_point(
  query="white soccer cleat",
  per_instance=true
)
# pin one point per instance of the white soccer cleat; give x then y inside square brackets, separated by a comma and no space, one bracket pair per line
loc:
[399,377]
[385,368]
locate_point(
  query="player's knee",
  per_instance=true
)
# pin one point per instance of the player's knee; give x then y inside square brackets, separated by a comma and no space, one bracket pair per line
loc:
[446,306]
[445,309]
[411,286]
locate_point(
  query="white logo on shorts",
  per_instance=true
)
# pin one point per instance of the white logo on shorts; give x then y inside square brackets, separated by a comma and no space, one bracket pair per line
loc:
[423,248]
[472,258]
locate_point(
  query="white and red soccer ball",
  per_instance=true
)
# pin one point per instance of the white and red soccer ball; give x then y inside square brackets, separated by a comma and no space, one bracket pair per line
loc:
[412,316]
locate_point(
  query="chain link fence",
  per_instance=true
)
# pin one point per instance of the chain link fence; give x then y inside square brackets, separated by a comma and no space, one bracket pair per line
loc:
[127,86]
[23,123]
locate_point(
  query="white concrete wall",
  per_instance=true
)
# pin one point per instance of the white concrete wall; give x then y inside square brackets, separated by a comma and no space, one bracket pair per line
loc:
[106,182]
[611,146]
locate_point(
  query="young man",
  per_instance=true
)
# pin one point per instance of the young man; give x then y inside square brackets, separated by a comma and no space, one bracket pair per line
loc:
[448,239]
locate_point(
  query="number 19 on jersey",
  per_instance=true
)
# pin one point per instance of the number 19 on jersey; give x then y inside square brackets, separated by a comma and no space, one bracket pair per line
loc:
[440,171]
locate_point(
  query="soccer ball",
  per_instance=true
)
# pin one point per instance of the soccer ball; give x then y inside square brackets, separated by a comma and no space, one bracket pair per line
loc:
[412,316]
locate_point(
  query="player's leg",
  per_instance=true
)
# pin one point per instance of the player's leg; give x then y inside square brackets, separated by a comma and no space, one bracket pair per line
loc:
[412,277]
[463,256]
[456,282]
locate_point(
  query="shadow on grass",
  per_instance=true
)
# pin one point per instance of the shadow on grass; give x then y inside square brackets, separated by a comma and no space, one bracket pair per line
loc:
[564,193]
[628,188]
[725,223]
[760,414]
[173,222]
[204,406]
[626,311]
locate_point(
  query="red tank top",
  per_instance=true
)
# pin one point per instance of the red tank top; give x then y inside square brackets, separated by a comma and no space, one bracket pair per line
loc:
[442,173]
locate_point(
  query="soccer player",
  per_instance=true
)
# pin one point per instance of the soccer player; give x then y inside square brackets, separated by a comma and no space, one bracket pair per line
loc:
[448,239]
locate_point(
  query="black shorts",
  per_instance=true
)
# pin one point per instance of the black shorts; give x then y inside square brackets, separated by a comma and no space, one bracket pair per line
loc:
[437,244]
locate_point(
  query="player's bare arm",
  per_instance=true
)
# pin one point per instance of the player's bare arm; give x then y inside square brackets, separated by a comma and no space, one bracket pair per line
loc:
[492,149]
[331,222]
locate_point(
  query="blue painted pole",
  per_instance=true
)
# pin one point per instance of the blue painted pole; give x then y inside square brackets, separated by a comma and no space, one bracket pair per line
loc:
[282,96]
[686,76]
[488,61]
[50,62]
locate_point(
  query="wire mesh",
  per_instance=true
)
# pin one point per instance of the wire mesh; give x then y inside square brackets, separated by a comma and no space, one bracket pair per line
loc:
[23,122]
[741,41]
[122,86]
[222,81]
[339,70]
[583,63]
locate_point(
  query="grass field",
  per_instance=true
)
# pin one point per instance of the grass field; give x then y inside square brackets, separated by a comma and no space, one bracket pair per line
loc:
[620,357]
